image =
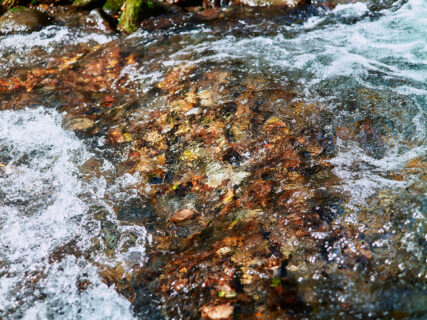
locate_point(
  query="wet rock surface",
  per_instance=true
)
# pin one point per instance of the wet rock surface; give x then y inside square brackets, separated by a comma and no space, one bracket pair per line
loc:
[23,20]
[94,20]
[221,146]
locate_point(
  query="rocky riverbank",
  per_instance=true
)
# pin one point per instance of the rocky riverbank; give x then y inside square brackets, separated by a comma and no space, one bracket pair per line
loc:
[128,15]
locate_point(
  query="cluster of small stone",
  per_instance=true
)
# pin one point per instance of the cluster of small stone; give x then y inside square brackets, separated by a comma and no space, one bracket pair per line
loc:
[230,171]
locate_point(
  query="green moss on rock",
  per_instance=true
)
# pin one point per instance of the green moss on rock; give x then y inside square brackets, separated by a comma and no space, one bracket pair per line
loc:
[130,15]
[113,6]
[83,3]
[136,10]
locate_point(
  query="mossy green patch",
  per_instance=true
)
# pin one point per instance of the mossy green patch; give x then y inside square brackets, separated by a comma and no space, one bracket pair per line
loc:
[82,3]
[275,282]
[17,9]
[113,5]
[136,10]
[131,15]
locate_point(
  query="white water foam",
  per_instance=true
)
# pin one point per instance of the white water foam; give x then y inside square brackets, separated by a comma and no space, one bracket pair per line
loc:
[40,211]
[49,37]
[363,175]
[14,48]
[331,49]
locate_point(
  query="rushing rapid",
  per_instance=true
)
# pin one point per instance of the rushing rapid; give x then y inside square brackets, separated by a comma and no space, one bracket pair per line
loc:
[44,209]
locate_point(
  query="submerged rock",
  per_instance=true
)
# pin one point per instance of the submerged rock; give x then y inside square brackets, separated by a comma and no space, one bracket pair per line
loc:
[182,215]
[79,124]
[219,312]
[244,167]
[23,20]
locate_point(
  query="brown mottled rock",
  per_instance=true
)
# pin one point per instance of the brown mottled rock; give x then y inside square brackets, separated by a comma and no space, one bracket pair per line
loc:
[209,14]
[23,20]
[222,311]
[91,168]
[79,124]
[182,215]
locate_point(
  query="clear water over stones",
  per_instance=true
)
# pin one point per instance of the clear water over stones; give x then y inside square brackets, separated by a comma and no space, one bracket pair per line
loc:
[69,208]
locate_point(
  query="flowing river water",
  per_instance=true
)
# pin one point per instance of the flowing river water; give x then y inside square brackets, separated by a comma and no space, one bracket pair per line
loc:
[67,202]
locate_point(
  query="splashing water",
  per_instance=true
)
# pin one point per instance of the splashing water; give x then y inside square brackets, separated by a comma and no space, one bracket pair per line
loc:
[41,210]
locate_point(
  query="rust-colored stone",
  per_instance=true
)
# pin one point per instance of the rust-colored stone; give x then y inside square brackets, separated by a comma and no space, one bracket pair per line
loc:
[182,215]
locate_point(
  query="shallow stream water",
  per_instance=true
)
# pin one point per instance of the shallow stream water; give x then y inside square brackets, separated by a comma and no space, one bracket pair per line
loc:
[364,64]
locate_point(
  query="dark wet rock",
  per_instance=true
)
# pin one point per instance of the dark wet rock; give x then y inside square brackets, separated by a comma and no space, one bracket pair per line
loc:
[208,14]
[146,304]
[232,157]
[164,22]
[23,20]
[370,138]
[59,253]
[91,168]
[136,210]
[95,20]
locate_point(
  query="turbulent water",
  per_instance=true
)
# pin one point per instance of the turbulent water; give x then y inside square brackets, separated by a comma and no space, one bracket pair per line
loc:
[44,206]
[363,62]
